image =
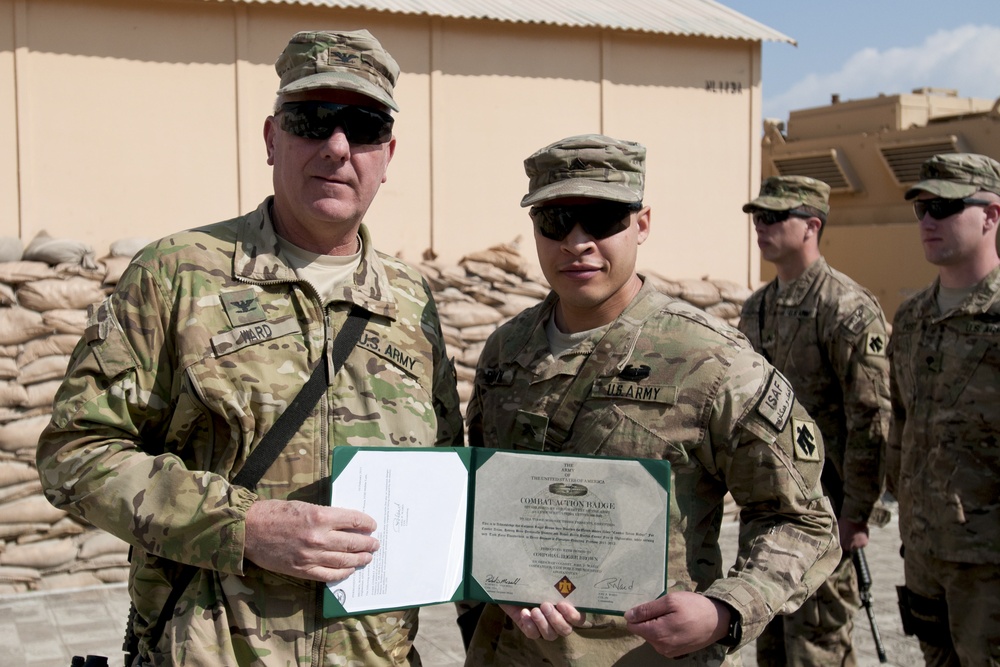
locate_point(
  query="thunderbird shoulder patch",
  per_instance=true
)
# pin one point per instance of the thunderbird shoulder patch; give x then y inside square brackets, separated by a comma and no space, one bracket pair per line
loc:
[806,443]
[875,344]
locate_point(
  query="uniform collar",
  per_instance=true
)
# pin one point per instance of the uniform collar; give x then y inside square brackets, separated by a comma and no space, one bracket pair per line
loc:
[525,346]
[256,259]
[983,298]
[797,290]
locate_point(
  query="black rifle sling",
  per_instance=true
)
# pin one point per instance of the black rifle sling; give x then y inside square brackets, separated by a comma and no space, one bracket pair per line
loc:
[291,420]
[270,446]
[760,319]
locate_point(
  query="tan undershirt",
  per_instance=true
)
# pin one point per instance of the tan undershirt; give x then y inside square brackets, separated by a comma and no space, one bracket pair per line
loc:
[951,297]
[324,272]
[560,342]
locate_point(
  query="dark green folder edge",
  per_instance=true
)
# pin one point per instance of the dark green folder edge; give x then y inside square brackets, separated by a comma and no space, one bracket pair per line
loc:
[658,469]
[473,459]
[342,456]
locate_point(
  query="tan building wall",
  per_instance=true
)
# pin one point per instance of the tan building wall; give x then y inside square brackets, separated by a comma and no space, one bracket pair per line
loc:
[875,148]
[142,117]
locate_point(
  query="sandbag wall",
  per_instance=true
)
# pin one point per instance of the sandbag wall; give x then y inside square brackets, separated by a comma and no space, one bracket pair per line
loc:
[43,311]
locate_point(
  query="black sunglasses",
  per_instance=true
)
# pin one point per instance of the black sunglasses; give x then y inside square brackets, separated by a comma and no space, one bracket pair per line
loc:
[318,120]
[767,217]
[941,208]
[600,219]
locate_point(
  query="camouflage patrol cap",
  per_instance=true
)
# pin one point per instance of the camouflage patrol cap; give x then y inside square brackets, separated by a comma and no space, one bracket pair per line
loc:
[957,175]
[345,60]
[586,165]
[783,193]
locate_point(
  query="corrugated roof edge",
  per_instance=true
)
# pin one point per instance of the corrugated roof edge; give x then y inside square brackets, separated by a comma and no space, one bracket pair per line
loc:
[702,18]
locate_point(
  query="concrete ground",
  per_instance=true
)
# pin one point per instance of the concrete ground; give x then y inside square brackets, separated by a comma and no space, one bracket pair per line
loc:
[47,629]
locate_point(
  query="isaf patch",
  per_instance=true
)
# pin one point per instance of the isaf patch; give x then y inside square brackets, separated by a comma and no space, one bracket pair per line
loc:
[875,344]
[776,404]
[859,319]
[806,442]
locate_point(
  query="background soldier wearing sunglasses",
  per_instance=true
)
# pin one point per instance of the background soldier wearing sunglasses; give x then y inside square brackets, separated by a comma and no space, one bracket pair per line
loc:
[944,448]
[827,335]
[725,419]
[208,338]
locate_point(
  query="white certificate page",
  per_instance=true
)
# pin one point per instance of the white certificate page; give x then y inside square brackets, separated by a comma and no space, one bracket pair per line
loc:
[419,501]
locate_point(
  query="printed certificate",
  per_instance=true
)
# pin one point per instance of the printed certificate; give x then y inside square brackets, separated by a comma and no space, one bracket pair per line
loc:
[503,526]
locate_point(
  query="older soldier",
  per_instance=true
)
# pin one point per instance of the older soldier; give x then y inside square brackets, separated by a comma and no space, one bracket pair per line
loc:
[944,452]
[727,421]
[827,335]
[208,338]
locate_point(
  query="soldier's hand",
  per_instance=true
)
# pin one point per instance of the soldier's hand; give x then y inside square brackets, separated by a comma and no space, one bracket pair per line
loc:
[547,621]
[853,535]
[679,623]
[308,541]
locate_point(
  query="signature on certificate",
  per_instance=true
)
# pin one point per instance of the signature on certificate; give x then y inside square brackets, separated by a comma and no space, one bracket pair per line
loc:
[400,517]
[615,584]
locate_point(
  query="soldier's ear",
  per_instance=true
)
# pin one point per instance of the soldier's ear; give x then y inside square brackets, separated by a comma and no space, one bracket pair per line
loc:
[643,221]
[992,216]
[814,225]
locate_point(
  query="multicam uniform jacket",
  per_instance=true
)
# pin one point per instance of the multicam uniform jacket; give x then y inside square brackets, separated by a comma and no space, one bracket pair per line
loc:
[206,340]
[827,335]
[680,386]
[944,449]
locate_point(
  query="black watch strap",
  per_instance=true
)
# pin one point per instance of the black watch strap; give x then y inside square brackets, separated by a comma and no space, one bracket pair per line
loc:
[735,633]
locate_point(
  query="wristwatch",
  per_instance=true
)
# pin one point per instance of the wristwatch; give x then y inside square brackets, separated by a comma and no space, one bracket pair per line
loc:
[735,633]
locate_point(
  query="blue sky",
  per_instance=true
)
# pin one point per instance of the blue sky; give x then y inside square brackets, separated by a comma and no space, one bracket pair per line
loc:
[860,48]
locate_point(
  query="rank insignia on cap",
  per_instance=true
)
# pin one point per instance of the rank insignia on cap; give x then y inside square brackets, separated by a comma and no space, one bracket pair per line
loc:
[806,442]
[875,345]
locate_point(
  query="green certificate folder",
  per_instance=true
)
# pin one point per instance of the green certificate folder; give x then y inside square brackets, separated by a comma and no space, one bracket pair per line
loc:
[503,526]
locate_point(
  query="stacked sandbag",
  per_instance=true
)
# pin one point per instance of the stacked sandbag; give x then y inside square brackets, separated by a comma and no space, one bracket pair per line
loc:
[43,312]
[45,293]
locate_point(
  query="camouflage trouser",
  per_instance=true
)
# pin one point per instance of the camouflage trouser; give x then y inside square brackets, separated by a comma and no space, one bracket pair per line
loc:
[819,633]
[971,595]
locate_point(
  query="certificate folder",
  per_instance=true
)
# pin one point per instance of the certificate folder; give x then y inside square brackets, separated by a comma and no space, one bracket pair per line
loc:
[502,526]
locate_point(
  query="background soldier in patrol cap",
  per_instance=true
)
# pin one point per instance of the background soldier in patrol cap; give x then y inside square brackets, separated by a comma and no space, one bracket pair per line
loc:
[944,448]
[726,425]
[827,335]
[209,336]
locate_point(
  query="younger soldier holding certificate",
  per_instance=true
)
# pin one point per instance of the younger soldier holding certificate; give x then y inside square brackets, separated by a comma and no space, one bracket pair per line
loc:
[662,380]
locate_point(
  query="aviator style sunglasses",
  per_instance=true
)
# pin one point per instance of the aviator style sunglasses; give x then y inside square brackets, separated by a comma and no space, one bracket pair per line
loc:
[600,219]
[767,217]
[941,208]
[318,120]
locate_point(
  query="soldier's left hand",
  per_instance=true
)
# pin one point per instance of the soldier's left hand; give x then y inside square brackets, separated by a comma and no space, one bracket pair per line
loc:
[853,535]
[547,621]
